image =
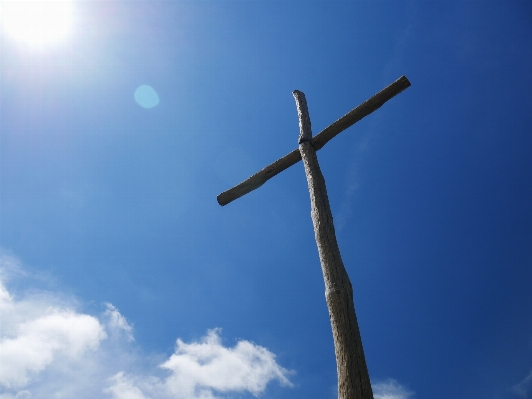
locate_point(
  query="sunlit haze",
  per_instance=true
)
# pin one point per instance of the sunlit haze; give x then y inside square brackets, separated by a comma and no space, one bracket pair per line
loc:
[36,23]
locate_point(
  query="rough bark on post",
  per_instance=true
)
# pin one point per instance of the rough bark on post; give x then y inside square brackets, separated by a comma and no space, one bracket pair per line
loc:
[353,376]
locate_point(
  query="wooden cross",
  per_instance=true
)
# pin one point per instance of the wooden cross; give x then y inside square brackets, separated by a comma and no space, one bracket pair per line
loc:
[353,376]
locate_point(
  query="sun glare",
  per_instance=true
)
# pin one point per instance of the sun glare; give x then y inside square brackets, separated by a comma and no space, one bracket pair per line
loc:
[36,22]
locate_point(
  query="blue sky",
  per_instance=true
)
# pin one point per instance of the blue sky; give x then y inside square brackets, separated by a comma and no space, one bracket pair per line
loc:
[123,278]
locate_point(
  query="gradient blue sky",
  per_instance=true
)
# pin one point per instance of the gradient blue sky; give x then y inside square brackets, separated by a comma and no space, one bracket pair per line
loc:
[108,210]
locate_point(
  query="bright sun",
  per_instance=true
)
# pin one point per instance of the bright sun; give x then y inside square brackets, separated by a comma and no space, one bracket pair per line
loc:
[36,22]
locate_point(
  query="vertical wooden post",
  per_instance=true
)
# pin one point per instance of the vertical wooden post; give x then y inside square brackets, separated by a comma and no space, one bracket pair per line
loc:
[353,376]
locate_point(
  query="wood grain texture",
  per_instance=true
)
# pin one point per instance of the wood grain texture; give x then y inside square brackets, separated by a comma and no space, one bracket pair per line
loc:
[349,119]
[353,376]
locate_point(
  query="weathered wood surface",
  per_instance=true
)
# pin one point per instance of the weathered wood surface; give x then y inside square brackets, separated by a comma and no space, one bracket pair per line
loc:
[353,376]
[353,116]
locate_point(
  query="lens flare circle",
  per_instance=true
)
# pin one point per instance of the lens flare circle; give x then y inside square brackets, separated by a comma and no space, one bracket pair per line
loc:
[36,22]
[146,96]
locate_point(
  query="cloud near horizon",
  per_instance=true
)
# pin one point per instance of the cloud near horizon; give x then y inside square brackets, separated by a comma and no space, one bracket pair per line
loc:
[48,348]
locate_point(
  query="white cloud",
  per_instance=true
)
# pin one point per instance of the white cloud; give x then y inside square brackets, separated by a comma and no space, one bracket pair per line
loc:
[390,389]
[49,348]
[205,370]
[37,331]
[36,343]
[200,368]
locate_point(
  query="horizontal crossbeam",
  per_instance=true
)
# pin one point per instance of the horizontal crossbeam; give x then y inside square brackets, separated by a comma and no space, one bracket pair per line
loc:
[318,141]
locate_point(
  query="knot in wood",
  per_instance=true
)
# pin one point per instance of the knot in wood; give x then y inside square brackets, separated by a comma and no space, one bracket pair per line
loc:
[333,291]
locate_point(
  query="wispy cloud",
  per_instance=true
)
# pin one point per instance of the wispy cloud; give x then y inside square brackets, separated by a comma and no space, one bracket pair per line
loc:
[390,389]
[122,387]
[49,348]
[118,322]
[524,388]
